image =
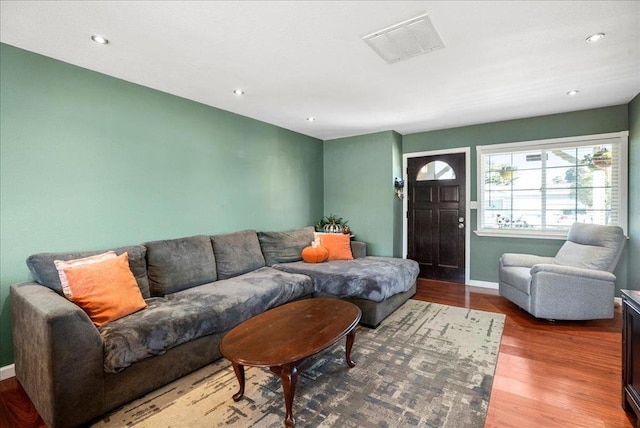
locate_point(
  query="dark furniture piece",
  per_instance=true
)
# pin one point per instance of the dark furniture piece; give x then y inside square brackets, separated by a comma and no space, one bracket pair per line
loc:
[282,338]
[631,352]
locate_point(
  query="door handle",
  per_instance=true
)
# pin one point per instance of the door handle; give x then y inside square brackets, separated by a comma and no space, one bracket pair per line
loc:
[460,225]
[460,219]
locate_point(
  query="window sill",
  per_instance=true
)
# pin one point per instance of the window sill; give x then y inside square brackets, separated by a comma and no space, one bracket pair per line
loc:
[533,234]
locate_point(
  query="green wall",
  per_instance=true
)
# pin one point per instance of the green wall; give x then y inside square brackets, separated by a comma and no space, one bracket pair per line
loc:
[485,251]
[358,186]
[633,246]
[92,162]
[88,161]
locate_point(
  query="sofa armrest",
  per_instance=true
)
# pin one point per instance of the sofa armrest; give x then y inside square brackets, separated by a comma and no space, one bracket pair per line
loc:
[58,354]
[358,249]
[524,260]
[574,272]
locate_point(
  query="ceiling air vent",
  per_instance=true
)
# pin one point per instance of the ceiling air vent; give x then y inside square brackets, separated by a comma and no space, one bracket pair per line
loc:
[409,38]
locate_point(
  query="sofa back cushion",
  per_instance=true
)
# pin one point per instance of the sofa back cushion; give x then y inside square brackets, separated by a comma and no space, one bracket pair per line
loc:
[284,247]
[237,253]
[178,264]
[44,270]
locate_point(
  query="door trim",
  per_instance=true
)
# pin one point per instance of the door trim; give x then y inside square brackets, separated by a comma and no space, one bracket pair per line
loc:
[467,230]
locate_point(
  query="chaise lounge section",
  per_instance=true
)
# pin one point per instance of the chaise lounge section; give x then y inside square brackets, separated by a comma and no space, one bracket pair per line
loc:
[377,285]
[196,289]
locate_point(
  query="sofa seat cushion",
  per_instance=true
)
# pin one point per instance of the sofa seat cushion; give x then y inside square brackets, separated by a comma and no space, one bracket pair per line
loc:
[371,278]
[199,311]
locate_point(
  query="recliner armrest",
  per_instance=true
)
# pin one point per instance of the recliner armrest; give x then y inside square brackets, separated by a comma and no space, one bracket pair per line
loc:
[599,275]
[524,260]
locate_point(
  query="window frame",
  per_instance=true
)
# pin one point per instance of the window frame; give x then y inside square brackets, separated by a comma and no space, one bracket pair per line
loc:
[622,138]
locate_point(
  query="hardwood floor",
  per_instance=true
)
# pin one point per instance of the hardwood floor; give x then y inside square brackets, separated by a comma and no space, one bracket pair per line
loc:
[16,410]
[549,374]
[562,374]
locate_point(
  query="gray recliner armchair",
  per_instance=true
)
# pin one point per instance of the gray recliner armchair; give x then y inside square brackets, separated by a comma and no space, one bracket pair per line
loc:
[577,284]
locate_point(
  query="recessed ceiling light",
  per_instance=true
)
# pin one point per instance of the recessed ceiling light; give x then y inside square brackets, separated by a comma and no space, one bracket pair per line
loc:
[238,92]
[311,119]
[99,39]
[573,92]
[595,37]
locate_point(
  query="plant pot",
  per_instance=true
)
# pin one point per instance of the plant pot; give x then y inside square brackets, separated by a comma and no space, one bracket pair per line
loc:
[333,228]
[506,174]
[602,160]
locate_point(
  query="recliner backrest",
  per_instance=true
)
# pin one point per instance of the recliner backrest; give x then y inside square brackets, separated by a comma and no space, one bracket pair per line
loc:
[592,246]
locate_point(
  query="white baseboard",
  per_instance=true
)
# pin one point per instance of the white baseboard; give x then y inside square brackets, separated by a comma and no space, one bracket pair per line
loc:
[7,371]
[483,284]
[617,302]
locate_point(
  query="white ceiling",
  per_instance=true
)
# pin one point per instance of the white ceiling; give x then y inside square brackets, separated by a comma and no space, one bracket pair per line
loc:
[502,59]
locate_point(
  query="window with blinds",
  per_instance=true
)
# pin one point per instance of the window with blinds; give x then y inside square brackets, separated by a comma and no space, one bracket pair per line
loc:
[539,188]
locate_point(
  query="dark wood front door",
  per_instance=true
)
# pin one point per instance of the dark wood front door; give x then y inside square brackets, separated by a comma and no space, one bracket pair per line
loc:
[436,216]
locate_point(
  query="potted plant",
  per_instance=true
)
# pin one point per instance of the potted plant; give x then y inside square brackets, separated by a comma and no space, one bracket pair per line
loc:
[506,172]
[332,224]
[601,158]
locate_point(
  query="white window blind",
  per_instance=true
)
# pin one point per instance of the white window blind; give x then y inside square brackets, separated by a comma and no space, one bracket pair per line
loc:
[539,188]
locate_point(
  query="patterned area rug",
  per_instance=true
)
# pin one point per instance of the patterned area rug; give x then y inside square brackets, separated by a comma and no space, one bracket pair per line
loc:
[426,365]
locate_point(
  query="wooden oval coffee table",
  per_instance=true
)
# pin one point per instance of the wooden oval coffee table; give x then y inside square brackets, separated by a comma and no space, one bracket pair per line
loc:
[282,338]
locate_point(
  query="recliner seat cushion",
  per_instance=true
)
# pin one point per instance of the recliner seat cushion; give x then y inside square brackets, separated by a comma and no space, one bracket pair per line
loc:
[178,264]
[371,278]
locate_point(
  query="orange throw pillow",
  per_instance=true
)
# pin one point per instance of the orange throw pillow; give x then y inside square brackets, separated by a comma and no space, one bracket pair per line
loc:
[105,290]
[338,244]
[61,265]
[317,254]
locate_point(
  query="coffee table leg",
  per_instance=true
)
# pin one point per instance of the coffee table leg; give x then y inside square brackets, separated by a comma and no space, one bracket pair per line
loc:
[289,379]
[239,369]
[351,337]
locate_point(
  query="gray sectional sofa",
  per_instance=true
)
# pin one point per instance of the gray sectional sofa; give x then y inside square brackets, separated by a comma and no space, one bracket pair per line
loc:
[196,289]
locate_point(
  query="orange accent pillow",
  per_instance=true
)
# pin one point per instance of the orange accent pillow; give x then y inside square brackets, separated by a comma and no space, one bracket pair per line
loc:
[106,290]
[338,244]
[61,265]
[313,254]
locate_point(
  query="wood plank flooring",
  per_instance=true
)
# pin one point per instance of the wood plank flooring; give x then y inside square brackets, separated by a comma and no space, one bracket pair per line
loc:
[562,374]
[549,374]
[16,410]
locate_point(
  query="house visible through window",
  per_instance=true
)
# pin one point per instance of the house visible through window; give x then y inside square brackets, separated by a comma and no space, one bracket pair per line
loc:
[539,188]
